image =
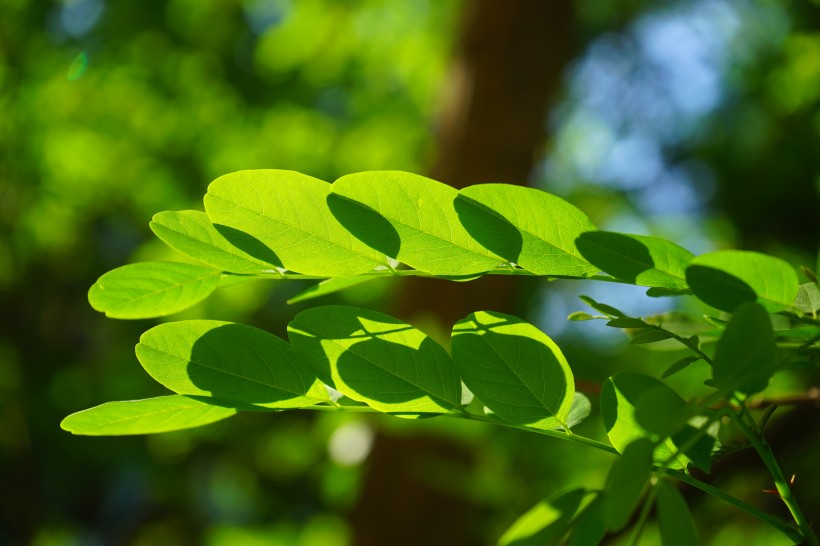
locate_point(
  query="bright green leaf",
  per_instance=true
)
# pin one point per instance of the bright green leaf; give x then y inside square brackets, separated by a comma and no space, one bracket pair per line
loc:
[152,289]
[638,259]
[545,523]
[620,394]
[580,315]
[376,359]
[526,226]
[745,355]
[412,219]
[579,410]
[625,483]
[328,286]
[728,278]
[232,362]
[191,233]
[674,520]
[160,414]
[514,368]
[282,218]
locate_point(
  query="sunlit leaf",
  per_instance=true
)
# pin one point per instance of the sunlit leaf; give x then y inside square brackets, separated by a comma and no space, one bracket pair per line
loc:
[625,483]
[514,368]
[579,410]
[192,233]
[526,226]
[745,355]
[620,394]
[232,362]
[376,359]
[412,219]
[282,218]
[149,416]
[545,523]
[580,315]
[152,289]
[674,520]
[638,259]
[328,286]
[728,278]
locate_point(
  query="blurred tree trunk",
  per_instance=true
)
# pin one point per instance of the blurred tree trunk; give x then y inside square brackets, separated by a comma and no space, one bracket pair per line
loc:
[507,68]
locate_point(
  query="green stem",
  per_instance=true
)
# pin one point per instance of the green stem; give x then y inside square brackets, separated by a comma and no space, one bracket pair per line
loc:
[765,453]
[647,506]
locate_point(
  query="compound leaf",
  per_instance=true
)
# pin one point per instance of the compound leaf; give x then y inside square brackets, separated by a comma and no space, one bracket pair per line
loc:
[152,289]
[514,368]
[376,359]
[149,416]
[545,523]
[232,362]
[412,219]
[191,233]
[638,259]
[728,278]
[282,218]
[526,226]
[745,354]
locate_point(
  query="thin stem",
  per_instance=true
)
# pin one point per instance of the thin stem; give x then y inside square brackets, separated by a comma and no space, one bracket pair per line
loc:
[764,450]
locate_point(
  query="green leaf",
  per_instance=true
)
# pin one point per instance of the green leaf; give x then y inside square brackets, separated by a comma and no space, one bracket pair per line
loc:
[660,410]
[745,355]
[232,362]
[808,298]
[698,444]
[638,259]
[625,483]
[191,233]
[627,322]
[602,307]
[620,395]
[282,218]
[160,414]
[376,359]
[579,410]
[328,286]
[590,528]
[580,315]
[649,336]
[679,365]
[514,368]
[728,278]
[526,226]
[545,523]
[152,289]
[674,520]
[412,219]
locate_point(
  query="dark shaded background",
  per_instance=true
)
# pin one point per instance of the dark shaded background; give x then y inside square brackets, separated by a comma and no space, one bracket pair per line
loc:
[696,120]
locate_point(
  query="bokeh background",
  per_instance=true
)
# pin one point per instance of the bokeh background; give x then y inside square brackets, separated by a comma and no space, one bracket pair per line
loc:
[695,120]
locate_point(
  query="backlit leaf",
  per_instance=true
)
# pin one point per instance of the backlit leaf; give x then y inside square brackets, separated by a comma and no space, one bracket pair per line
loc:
[152,289]
[526,226]
[232,362]
[376,359]
[192,233]
[745,355]
[328,286]
[638,259]
[514,368]
[282,218]
[412,219]
[674,520]
[149,416]
[545,523]
[728,278]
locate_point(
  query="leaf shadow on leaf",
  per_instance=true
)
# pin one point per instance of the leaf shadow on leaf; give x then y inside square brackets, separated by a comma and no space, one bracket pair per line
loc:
[225,351]
[366,224]
[249,244]
[489,228]
[719,288]
[545,522]
[608,250]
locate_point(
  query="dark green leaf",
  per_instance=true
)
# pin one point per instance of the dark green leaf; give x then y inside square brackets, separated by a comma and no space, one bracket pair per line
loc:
[728,278]
[328,286]
[376,359]
[590,528]
[231,362]
[526,226]
[745,355]
[659,409]
[546,522]
[150,416]
[696,444]
[514,368]
[602,307]
[627,322]
[638,259]
[674,520]
[152,289]
[626,482]
[679,365]
[649,336]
